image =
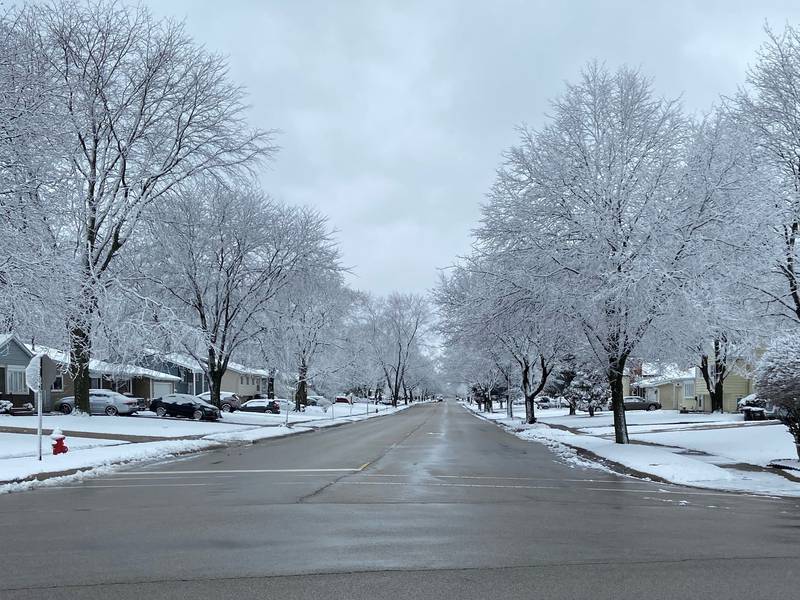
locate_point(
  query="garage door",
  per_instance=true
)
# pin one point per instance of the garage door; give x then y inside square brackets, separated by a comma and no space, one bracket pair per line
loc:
[161,388]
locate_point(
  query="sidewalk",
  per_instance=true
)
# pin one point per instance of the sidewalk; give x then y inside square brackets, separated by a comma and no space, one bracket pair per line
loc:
[708,451]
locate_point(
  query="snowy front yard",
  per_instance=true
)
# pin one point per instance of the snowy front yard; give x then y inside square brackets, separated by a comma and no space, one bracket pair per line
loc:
[705,450]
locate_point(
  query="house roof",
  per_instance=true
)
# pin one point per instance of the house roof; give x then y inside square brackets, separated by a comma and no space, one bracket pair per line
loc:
[101,367]
[669,374]
[5,338]
[184,360]
[188,362]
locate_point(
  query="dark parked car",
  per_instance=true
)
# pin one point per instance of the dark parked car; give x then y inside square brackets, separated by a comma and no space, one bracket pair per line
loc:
[639,403]
[261,405]
[184,405]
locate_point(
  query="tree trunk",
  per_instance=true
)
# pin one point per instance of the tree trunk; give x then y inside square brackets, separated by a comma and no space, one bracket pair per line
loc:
[615,381]
[271,385]
[301,395]
[215,384]
[715,382]
[79,355]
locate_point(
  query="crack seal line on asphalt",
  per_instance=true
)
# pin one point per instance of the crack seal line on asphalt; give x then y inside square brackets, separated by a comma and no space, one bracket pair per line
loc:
[570,564]
[365,465]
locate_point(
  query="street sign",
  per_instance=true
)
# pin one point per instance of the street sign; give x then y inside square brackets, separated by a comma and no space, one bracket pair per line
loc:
[40,374]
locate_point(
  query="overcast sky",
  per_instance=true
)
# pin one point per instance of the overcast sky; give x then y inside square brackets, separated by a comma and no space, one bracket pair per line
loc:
[394,114]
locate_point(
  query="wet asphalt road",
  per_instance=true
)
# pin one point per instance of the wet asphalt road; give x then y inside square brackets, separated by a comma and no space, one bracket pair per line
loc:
[429,503]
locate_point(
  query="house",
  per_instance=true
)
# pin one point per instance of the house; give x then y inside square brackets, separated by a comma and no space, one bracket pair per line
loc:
[685,389]
[14,358]
[246,382]
[137,381]
[737,385]
[674,388]
[192,376]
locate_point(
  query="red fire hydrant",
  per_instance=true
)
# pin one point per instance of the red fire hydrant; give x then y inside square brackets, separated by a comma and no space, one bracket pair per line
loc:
[59,445]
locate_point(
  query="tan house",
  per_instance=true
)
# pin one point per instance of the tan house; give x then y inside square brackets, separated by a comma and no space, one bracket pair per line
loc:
[674,389]
[686,390]
[246,382]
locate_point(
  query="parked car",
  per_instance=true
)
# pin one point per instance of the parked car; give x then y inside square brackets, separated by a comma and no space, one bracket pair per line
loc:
[101,402]
[583,406]
[546,402]
[261,405]
[639,403]
[319,401]
[184,405]
[228,401]
[343,400]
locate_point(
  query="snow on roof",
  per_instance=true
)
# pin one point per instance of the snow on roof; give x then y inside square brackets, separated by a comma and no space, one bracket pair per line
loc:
[245,370]
[101,367]
[188,362]
[669,374]
[183,360]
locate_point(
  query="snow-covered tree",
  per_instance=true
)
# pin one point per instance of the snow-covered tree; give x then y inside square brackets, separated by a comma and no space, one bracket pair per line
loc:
[219,255]
[595,205]
[778,379]
[397,327]
[768,105]
[141,108]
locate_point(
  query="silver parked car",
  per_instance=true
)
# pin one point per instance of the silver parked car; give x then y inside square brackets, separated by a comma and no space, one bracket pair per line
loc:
[101,402]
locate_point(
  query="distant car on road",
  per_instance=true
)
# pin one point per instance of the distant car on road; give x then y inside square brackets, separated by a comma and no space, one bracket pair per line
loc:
[228,401]
[101,402]
[261,405]
[184,405]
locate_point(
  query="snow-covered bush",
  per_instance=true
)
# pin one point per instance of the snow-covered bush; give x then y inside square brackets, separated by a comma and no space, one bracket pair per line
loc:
[585,387]
[778,380]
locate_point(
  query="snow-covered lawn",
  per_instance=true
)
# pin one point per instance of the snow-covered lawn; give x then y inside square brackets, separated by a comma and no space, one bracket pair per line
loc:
[696,449]
[755,445]
[638,420]
[18,445]
[144,424]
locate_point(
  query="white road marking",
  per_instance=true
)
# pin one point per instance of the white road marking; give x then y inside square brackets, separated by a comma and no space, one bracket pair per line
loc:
[160,478]
[227,471]
[131,485]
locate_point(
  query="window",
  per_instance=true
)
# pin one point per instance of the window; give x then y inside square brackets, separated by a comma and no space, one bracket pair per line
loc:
[96,383]
[241,379]
[688,389]
[15,380]
[58,384]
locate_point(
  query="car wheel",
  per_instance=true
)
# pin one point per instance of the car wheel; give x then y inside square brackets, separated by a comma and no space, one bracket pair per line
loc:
[161,411]
[65,409]
[225,407]
[112,411]
[197,415]
[651,407]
